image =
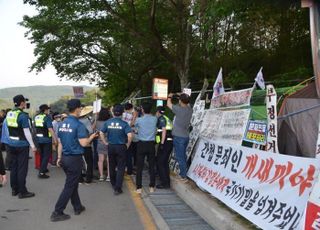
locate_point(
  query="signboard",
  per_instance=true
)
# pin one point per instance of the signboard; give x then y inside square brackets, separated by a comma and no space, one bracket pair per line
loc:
[272,140]
[187,91]
[256,132]
[227,126]
[97,106]
[159,103]
[78,91]
[232,99]
[160,89]
[271,191]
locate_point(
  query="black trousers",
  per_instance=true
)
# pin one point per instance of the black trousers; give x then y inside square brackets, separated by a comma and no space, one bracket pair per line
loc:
[7,161]
[19,160]
[88,157]
[45,151]
[163,162]
[72,166]
[145,149]
[117,159]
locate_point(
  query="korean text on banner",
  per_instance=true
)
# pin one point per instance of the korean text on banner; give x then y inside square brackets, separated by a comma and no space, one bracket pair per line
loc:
[160,89]
[232,99]
[272,139]
[256,132]
[78,91]
[270,191]
[226,126]
[312,220]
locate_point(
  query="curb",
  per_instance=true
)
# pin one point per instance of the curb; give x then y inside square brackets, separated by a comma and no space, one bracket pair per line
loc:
[158,219]
[214,212]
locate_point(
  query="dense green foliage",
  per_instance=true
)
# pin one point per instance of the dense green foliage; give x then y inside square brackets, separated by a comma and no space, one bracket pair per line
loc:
[122,45]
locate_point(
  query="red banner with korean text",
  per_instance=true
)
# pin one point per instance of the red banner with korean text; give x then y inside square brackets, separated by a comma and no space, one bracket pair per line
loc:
[271,191]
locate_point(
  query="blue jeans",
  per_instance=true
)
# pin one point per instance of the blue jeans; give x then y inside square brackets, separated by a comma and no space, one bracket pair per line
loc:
[180,145]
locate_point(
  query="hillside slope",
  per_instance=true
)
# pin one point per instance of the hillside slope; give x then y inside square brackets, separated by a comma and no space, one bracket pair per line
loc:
[36,94]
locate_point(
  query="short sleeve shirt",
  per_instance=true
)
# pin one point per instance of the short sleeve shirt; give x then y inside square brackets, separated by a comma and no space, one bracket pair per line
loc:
[116,130]
[48,124]
[69,133]
[147,127]
[161,122]
[181,120]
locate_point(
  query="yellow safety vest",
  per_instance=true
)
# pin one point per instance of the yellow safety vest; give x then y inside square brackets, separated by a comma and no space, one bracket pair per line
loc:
[42,131]
[169,127]
[15,132]
[12,118]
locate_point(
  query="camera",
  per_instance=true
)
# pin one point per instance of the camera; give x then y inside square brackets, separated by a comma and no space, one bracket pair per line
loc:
[175,96]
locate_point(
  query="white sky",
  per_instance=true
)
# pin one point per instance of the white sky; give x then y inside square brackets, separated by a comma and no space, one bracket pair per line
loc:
[16,51]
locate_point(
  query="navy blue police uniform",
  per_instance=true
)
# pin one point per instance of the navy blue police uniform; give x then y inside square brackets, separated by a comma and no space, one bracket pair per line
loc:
[164,149]
[69,133]
[44,139]
[117,130]
[18,146]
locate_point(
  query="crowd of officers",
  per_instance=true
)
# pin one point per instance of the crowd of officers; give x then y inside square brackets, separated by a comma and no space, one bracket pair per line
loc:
[124,136]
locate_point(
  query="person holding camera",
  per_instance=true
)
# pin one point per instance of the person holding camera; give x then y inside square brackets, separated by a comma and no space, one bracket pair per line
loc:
[19,144]
[147,128]
[180,131]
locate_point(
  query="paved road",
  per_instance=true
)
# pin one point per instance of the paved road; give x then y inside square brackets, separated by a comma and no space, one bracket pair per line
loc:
[103,209]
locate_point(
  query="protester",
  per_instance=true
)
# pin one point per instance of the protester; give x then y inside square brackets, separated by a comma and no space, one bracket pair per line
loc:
[73,136]
[3,176]
[180,132]
[119,136]
[164,140]
[20,141]
[45,137]
[55,124]
[88,151]
[104,115]
[5,139]
[146,127]
[129,117]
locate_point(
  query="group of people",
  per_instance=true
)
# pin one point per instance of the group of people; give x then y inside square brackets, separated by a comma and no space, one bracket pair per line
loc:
[125,137]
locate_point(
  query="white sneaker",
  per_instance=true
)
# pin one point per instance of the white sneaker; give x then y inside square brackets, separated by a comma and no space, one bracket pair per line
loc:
[151,189]
[108,179]
[139,191]
[101,178]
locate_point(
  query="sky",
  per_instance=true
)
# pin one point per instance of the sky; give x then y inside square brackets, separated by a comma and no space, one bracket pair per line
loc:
[16,51]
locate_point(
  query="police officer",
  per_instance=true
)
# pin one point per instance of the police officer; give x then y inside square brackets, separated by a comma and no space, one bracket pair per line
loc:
[44,136]
[165,145]
[72,137]
[20,141]
[119,136]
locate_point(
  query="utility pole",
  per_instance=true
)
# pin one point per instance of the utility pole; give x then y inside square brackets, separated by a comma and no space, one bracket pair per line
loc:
[313,6]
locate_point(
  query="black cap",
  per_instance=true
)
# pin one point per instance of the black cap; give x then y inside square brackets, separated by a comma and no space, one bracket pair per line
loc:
[73,104]
[118,110]
[18,99]
[43,107]
[161,109]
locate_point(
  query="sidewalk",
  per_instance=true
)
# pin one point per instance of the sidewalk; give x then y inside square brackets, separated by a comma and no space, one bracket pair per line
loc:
[169,210]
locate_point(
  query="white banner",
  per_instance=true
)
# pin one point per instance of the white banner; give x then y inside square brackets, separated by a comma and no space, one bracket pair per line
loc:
[226,126]
[232,99]
[272,140]
[271,191]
